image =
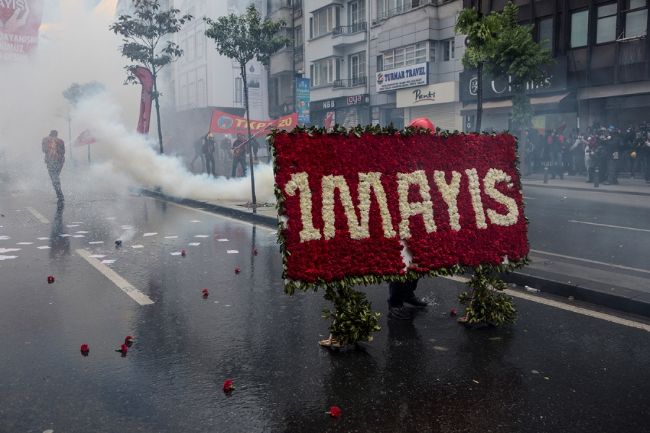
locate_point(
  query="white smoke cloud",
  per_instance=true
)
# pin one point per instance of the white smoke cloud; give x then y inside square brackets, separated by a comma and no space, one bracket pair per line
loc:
[79,48]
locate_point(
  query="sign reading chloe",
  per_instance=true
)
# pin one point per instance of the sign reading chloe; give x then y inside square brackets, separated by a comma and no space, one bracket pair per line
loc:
[399,78]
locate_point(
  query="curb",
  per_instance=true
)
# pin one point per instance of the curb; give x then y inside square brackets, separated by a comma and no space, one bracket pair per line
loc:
[620,303]
[575,188]
[215,208]
[592,296]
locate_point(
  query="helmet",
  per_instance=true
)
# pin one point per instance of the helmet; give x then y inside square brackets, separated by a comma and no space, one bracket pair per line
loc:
[424,123]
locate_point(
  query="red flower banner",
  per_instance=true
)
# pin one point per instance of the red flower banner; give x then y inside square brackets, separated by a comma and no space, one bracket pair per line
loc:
[364,207]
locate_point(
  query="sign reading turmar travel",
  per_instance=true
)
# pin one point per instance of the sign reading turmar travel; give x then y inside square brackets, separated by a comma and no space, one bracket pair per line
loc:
[439,93]
[399,78]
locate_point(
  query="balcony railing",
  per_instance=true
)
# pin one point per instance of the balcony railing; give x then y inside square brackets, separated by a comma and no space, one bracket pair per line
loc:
[348,30]
[351,82]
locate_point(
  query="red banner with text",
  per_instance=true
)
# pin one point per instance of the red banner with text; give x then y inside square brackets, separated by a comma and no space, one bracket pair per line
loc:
[19,24]
[225,123]
[386,204]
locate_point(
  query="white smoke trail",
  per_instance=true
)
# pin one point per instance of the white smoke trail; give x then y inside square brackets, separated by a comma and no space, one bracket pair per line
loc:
[133,155]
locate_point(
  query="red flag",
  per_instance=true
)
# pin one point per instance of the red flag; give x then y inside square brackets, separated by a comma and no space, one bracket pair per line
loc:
[146,79]
[225,123]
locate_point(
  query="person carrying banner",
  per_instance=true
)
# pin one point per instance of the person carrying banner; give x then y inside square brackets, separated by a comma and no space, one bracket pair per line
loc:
[54,150]
[208,149]
[239,155]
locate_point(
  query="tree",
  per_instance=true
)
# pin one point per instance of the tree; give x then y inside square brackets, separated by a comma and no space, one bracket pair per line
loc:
[499,46]
[243,38]
[145,41]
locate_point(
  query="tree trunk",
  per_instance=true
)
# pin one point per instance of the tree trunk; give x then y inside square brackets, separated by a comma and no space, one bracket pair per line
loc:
[479,96]
[155,92]
[248,125]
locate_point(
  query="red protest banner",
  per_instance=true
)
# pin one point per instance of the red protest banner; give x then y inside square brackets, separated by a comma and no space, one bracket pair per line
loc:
[378,205]
[225,123]
[19,24]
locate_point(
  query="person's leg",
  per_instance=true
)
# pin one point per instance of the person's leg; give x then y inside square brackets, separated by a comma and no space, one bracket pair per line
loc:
[233,172]
[54,171]
[242,161]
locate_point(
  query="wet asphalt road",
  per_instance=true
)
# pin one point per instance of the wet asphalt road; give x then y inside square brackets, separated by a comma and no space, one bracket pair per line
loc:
[553,371]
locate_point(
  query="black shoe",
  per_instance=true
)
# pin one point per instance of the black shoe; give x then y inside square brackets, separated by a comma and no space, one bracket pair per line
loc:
[416,302]
[400,313]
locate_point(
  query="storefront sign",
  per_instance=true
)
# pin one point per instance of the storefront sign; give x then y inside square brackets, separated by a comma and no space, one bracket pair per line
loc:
[496,88]
[399,78]
[342,102]
[302,99]
[434,94]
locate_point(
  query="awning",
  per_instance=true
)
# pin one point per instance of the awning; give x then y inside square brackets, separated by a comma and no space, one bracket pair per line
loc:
[507,103]
[614,90]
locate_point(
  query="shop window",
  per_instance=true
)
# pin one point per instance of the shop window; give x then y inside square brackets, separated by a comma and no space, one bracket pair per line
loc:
[579,28]
[448,49]
[636,18]
[606,25]
[545,33]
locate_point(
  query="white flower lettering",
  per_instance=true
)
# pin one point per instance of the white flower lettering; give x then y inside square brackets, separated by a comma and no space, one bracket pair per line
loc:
[493,177]
[300,182]
[407,209]
[449,194]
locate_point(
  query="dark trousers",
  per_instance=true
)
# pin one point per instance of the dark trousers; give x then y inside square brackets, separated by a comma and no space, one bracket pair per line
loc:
[54,169]
[209,164]
[241,160]
[399,291]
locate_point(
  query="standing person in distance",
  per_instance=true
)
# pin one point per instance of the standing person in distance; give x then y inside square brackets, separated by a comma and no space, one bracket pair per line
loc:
[54,150]
[239,155]
[208,153]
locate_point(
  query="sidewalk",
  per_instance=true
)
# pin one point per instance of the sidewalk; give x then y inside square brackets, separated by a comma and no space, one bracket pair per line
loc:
[626,185]
[626,290]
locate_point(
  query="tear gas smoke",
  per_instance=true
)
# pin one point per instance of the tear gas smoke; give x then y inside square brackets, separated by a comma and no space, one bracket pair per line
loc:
[79,48]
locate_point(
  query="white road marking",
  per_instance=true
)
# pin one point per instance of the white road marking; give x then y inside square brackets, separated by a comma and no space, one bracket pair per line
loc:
[176,253]
[4,238]
[116,279]
[78,236]
[7,257]
[97,256]
[194,244]
[195,221]
[137,246]
[108,262]
[126,227]
[64,235]
[83,232]
[567,307]
[77,222]
[201,236]
[212,214]
[43,239]
[39,216]
[8,250]
[44,247]
[627,268]
[610,226]
[222,240]
[232,252]
[171,237]
[72,225]
[95,242]
[24,243]
[146,235]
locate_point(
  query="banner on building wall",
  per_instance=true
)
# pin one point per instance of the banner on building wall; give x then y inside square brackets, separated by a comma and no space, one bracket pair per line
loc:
[399,78]
[226,123]
[19,24]
[302,100]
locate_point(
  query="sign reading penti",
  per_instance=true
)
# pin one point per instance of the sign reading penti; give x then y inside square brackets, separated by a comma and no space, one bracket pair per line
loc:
[439,93]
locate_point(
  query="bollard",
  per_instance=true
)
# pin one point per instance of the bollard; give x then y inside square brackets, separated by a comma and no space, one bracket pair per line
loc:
[545,174]
[596,178]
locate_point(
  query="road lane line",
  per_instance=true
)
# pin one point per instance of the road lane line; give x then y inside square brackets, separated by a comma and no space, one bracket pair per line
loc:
[567,307]
[219,215]
[116,279]
[39,216]
[610,226]
[596,262]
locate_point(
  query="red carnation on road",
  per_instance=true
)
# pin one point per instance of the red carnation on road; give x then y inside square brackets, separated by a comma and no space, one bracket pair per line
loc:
[453,312]
[123,349]
[128,340]
[85,349]
[50,279]
[254,251]
[183,253]
[237,270]
[205,292]
[228,386]
[335,412]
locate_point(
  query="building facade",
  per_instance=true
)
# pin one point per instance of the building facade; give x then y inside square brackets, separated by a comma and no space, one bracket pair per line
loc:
[601,69]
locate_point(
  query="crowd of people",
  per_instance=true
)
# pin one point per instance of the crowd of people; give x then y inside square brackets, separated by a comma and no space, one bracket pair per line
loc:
[209,152]
[600,154]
